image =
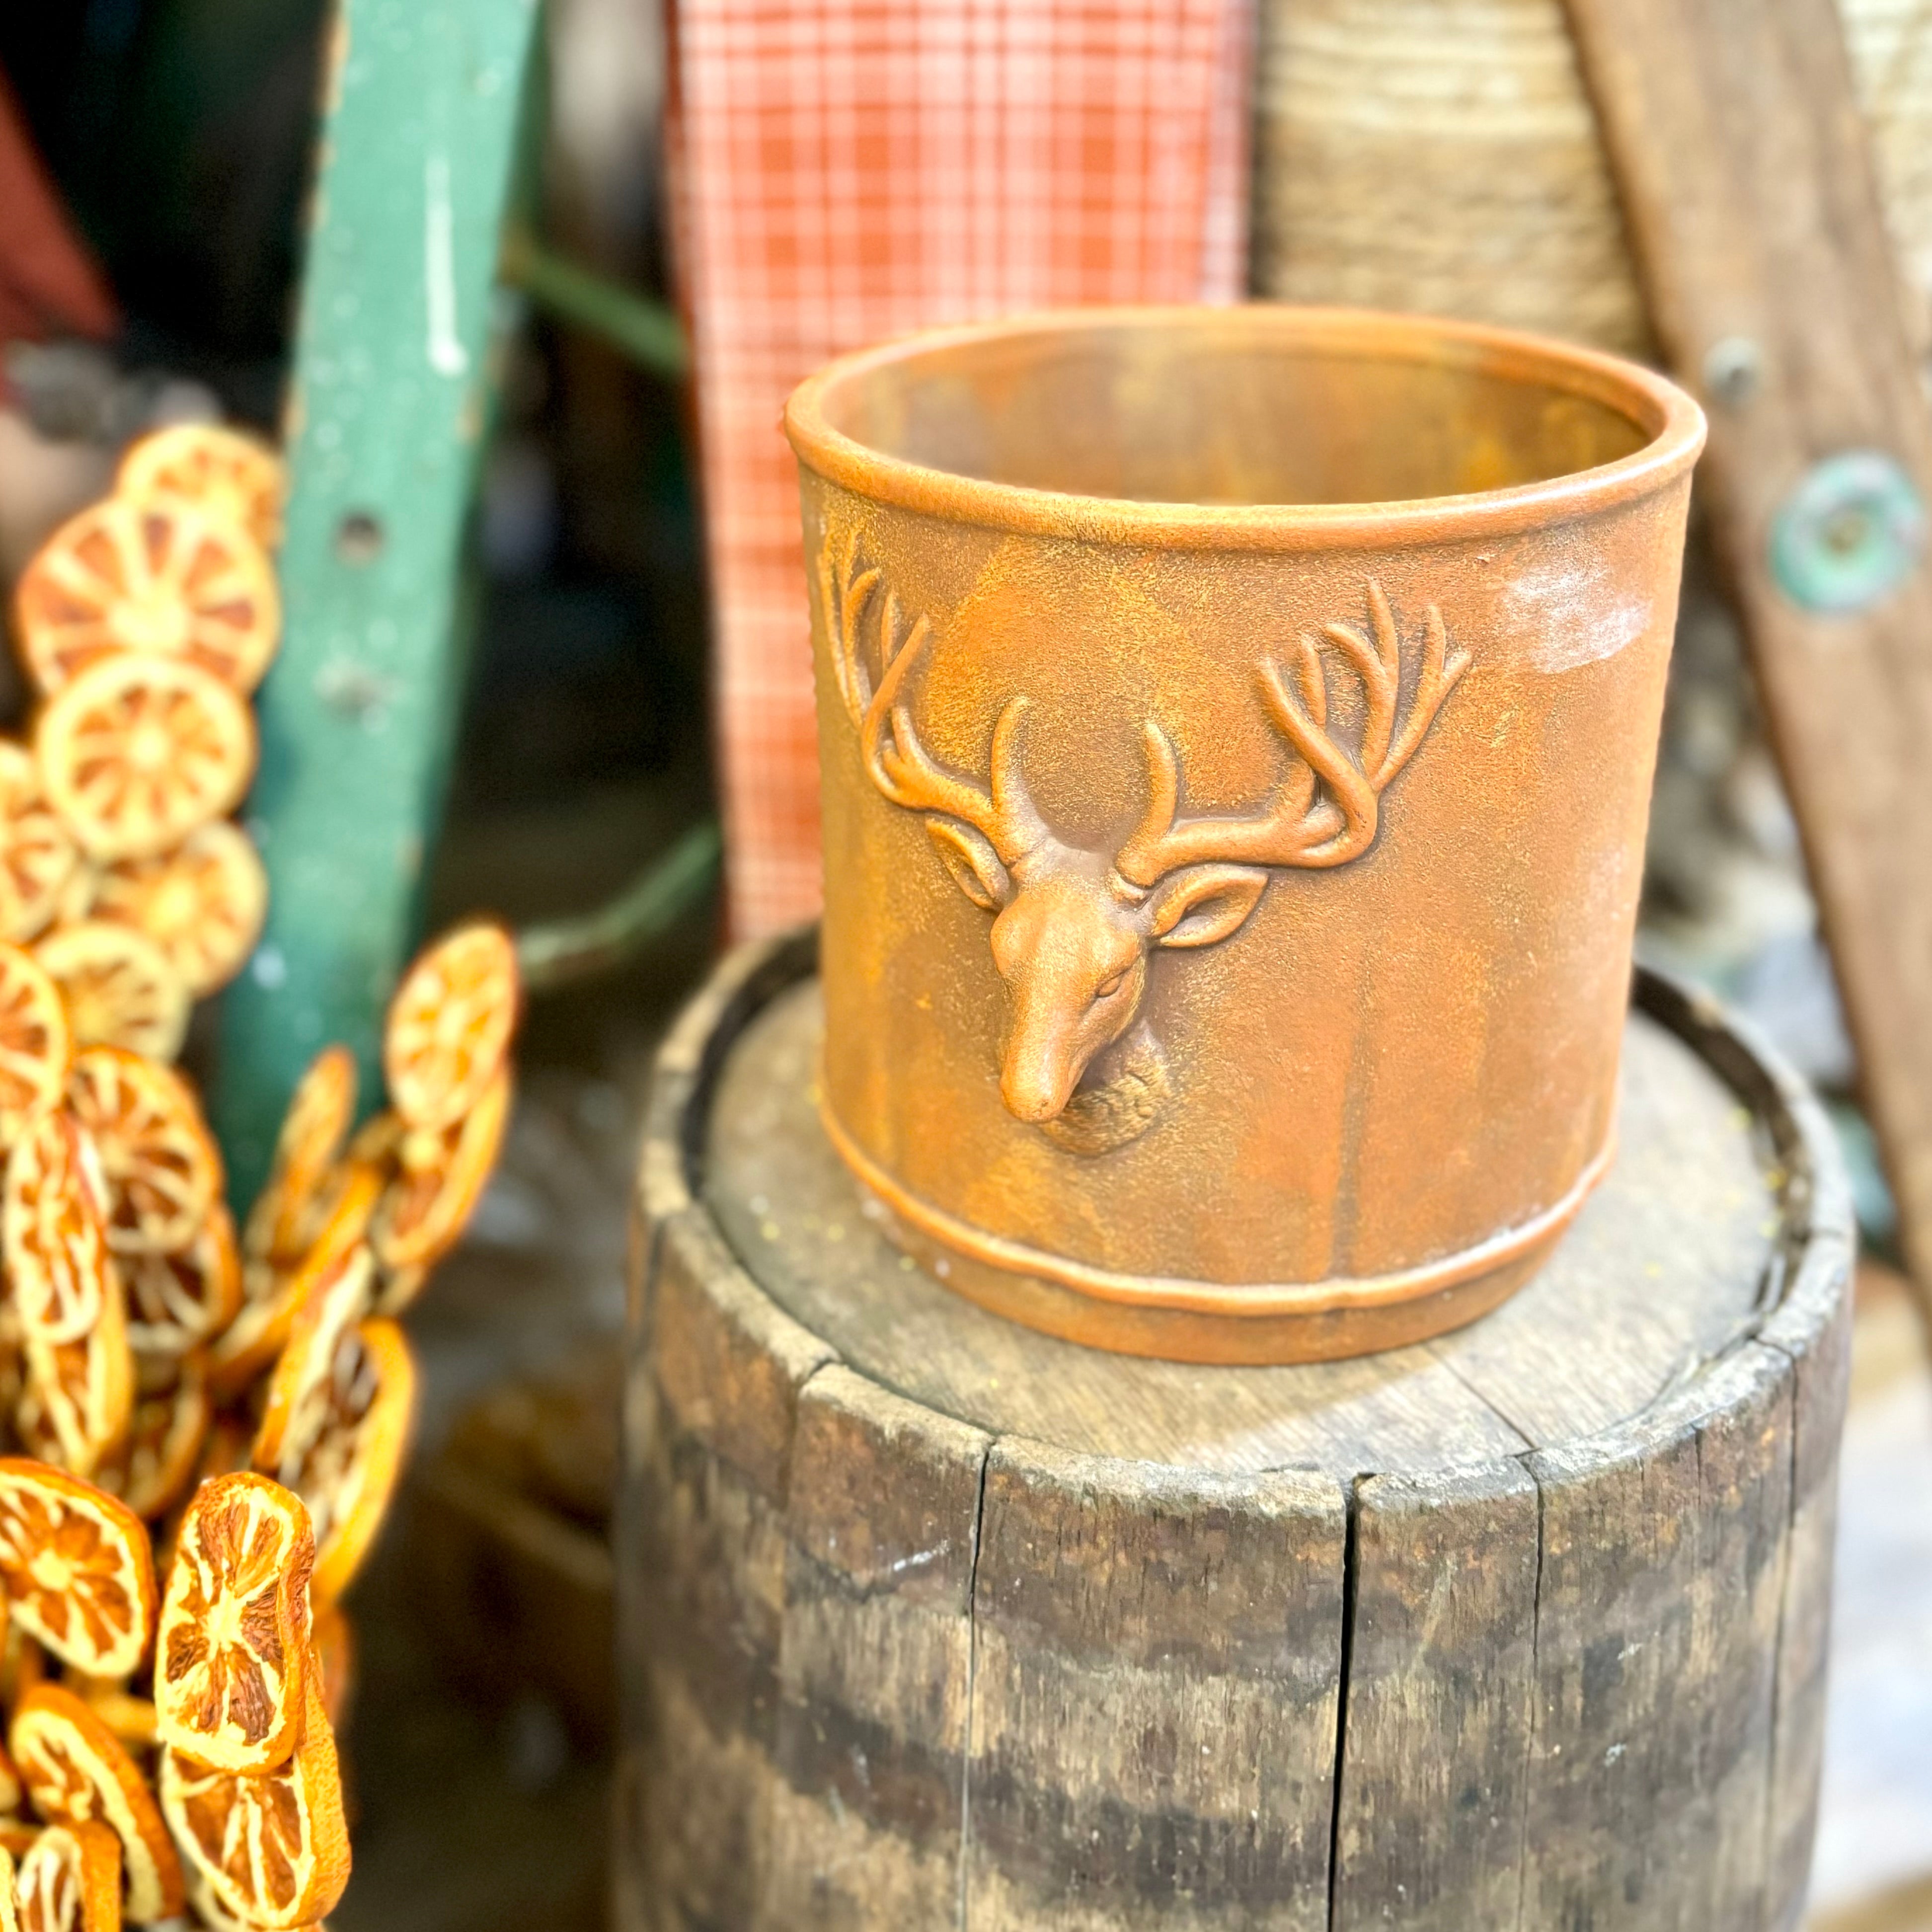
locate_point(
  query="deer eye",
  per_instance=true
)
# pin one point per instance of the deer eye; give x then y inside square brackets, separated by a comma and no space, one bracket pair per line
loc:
[1107,988]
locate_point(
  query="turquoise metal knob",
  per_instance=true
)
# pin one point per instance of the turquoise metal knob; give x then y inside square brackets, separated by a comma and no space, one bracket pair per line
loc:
[1850,534]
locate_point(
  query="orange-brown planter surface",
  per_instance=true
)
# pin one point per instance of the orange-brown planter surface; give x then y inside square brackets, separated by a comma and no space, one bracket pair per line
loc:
[1237,729]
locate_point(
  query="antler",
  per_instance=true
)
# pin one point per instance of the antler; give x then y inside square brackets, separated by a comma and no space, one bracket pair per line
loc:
[889,745]
[1294,829]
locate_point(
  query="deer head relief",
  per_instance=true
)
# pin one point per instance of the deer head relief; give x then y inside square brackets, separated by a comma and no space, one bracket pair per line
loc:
[1073,927]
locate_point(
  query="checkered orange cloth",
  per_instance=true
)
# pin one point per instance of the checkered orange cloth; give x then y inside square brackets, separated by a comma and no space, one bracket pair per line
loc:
[846,170]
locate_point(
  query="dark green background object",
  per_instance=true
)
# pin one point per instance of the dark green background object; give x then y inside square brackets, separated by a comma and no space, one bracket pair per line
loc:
[647,331]
[389,404]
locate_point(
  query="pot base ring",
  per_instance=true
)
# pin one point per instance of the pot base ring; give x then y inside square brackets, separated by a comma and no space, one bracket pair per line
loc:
[1178,1319]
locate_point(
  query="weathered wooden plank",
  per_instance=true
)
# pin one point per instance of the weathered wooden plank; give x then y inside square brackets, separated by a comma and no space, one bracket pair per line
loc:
[1813,1328]
[700,1642]
[876,1661]
[1741,158]
[706,1559]
[1441,1663]
[1807,1318]
[1157,1655]
[1823,1373]
[1663,1558]
[728,1363]
[390,397]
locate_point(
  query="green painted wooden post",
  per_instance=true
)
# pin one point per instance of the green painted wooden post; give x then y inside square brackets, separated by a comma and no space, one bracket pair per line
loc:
[390,401]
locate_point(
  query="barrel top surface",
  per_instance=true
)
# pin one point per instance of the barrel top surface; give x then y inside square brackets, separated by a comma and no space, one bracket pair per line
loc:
[1675,1258]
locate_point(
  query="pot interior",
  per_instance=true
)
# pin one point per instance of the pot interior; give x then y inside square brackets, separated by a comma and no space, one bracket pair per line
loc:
[1252,405]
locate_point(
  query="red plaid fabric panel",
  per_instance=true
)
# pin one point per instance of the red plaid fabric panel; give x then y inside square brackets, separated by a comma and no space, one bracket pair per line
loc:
[848,170]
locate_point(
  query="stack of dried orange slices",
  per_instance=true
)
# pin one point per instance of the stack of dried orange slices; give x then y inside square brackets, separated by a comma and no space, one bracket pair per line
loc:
[145,622]
[184,1759]
[243,1402]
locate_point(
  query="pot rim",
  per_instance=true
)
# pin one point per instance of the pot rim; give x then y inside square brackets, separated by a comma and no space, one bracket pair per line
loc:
[1673,421]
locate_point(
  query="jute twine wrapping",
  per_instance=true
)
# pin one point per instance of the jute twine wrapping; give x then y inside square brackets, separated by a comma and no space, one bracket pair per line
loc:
[1891,43]
[1442,155]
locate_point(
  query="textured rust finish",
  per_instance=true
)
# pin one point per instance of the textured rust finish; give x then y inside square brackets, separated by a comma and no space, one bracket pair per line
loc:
[1237,727]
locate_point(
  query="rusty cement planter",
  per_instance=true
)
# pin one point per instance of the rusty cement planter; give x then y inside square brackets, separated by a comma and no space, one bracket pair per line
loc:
[1237,729]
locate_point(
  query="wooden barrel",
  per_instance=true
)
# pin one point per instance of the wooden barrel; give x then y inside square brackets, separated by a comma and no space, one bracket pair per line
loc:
[929,1621]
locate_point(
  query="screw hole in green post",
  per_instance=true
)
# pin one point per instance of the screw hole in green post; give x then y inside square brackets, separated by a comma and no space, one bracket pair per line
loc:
[358,537]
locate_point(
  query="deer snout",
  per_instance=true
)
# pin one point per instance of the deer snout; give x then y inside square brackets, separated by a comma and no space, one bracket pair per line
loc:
[1056,1030]
[1074,961]
[1037,1081]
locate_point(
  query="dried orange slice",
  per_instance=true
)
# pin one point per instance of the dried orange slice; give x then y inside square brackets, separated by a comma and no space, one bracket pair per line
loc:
[131,1719]
[53,1229]
[163,1172]
[17,1835]
[13,1375]
[157,1462]
[449,1025]
[299,1402]
[25,1665]
[76,896]
[76,1769]
[119,987]
[379,1141]
[137,751]
[176,1302]
[318,1118]
[36,1044]
[231,1656]
[273,1296]
[210,1913]
[350,1474]
[76,1569]
[162,578]
[234,477]
[273,1847]
[332,1647]
[78,1398]
[438,1181]
[257,1336]
[401,1287]
[12,1793]
[69,1880]
[37,854]
[202,904]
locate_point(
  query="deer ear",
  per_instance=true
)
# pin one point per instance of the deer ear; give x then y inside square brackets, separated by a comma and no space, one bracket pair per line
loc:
[974,865]
[1201,903]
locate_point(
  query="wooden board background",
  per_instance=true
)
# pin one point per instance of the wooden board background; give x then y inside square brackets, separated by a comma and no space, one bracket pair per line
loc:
[1746,181]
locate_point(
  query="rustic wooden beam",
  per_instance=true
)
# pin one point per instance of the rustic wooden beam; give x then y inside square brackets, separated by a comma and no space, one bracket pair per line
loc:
[1748,187]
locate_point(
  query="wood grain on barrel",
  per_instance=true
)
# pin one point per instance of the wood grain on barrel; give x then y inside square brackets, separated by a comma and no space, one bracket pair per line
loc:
[875,1661]
[935,1622]
[706,1577]
[1442,1664]
[1158,1654]
[1662,1562]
